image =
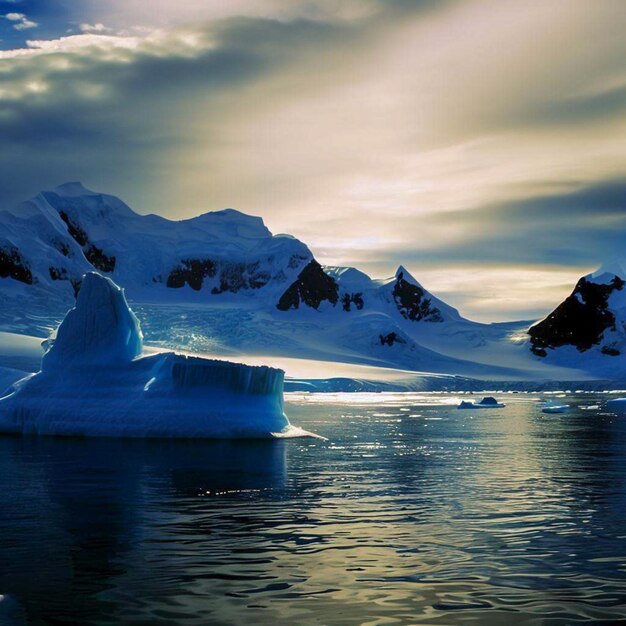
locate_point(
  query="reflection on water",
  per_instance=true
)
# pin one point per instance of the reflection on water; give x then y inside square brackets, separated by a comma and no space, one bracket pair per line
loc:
[411,512]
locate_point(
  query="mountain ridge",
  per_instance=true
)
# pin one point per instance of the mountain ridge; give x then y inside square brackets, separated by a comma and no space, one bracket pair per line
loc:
[221,281]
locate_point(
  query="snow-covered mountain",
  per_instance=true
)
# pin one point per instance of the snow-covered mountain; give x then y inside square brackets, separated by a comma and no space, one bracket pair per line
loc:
[222,284]
[51,240]
[589,327]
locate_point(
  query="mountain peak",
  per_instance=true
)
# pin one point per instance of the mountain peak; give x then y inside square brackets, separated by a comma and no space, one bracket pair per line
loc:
[73,188]
[403,273]
[232,223]
[613,267]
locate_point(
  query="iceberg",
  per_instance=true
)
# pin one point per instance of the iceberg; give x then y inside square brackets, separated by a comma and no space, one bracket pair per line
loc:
[94,381]
[617,404]
[488,402]
[555,408]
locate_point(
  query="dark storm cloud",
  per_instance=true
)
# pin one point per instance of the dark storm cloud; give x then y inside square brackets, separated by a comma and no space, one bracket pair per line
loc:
[124,104]
[581,227]
[71,112]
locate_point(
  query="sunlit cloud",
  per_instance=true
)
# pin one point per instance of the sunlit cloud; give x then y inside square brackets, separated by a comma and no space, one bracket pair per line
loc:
[439,135]
[94,28]
[488,292]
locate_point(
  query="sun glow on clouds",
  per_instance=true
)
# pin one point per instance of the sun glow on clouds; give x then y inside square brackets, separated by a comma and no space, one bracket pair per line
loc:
[491,293]
[437,135]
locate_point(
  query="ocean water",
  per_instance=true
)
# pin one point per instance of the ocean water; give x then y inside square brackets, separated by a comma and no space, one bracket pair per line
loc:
[412,512]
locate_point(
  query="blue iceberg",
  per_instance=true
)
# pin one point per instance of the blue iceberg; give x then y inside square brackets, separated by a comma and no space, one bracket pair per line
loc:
[94,381]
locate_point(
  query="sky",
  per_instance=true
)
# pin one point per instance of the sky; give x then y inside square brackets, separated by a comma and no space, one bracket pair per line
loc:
[479,143]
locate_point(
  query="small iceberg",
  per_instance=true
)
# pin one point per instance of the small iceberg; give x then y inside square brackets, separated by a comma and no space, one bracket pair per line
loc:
[555,408]
[617,404]
[488,402]
[94,381]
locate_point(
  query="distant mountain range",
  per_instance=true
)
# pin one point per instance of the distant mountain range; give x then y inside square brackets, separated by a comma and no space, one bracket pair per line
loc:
[222,282]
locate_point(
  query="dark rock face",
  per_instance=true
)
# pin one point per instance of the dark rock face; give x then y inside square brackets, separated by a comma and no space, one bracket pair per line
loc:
[312,287]
[237,276]
[191,272]
[13,265]
[232,276]
[348,299]
[580,320]
[390,339]
[75,231]
[58,273]
[62,247]
[610,351]
[76,285]
[93,254]
[412,303]
[100,260]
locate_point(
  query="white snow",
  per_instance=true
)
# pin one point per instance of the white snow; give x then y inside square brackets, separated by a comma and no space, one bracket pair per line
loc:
[246,322]
[94,383]
[146,248]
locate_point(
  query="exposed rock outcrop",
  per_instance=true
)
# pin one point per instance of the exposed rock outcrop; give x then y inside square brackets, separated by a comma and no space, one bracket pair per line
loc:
[580,320]
[93,253]
[312,287]
[13,265]
[349,299]
[390,338]
[413,303]
[230,276]
[191,272]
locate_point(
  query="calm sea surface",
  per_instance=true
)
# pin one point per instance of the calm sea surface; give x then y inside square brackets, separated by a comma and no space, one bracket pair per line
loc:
[412,512]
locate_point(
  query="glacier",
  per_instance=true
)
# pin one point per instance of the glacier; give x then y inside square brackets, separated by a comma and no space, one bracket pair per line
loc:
[223,286]
[96,381]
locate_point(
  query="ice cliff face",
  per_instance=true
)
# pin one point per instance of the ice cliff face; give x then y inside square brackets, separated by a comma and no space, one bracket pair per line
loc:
[94,382]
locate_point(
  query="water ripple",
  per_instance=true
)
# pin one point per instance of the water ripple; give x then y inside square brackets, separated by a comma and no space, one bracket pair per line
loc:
[409,513]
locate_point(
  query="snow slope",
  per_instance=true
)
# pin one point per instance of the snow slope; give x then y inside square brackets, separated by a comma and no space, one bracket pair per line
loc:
[221,284]
[94,382]
[50,241]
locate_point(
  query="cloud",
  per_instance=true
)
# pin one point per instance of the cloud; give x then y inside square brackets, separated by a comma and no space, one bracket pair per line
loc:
[21,22]
[94,28]
[434,134]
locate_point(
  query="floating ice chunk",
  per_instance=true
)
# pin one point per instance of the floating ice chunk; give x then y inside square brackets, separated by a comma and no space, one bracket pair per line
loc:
[555,408]
[100,329]
[488,402]
[617,404]
[95,383]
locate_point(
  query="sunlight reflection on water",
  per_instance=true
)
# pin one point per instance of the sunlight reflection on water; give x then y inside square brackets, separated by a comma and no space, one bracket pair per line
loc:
[411,512]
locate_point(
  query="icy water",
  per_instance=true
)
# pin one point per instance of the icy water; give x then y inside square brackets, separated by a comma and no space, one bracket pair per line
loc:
[412,512]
